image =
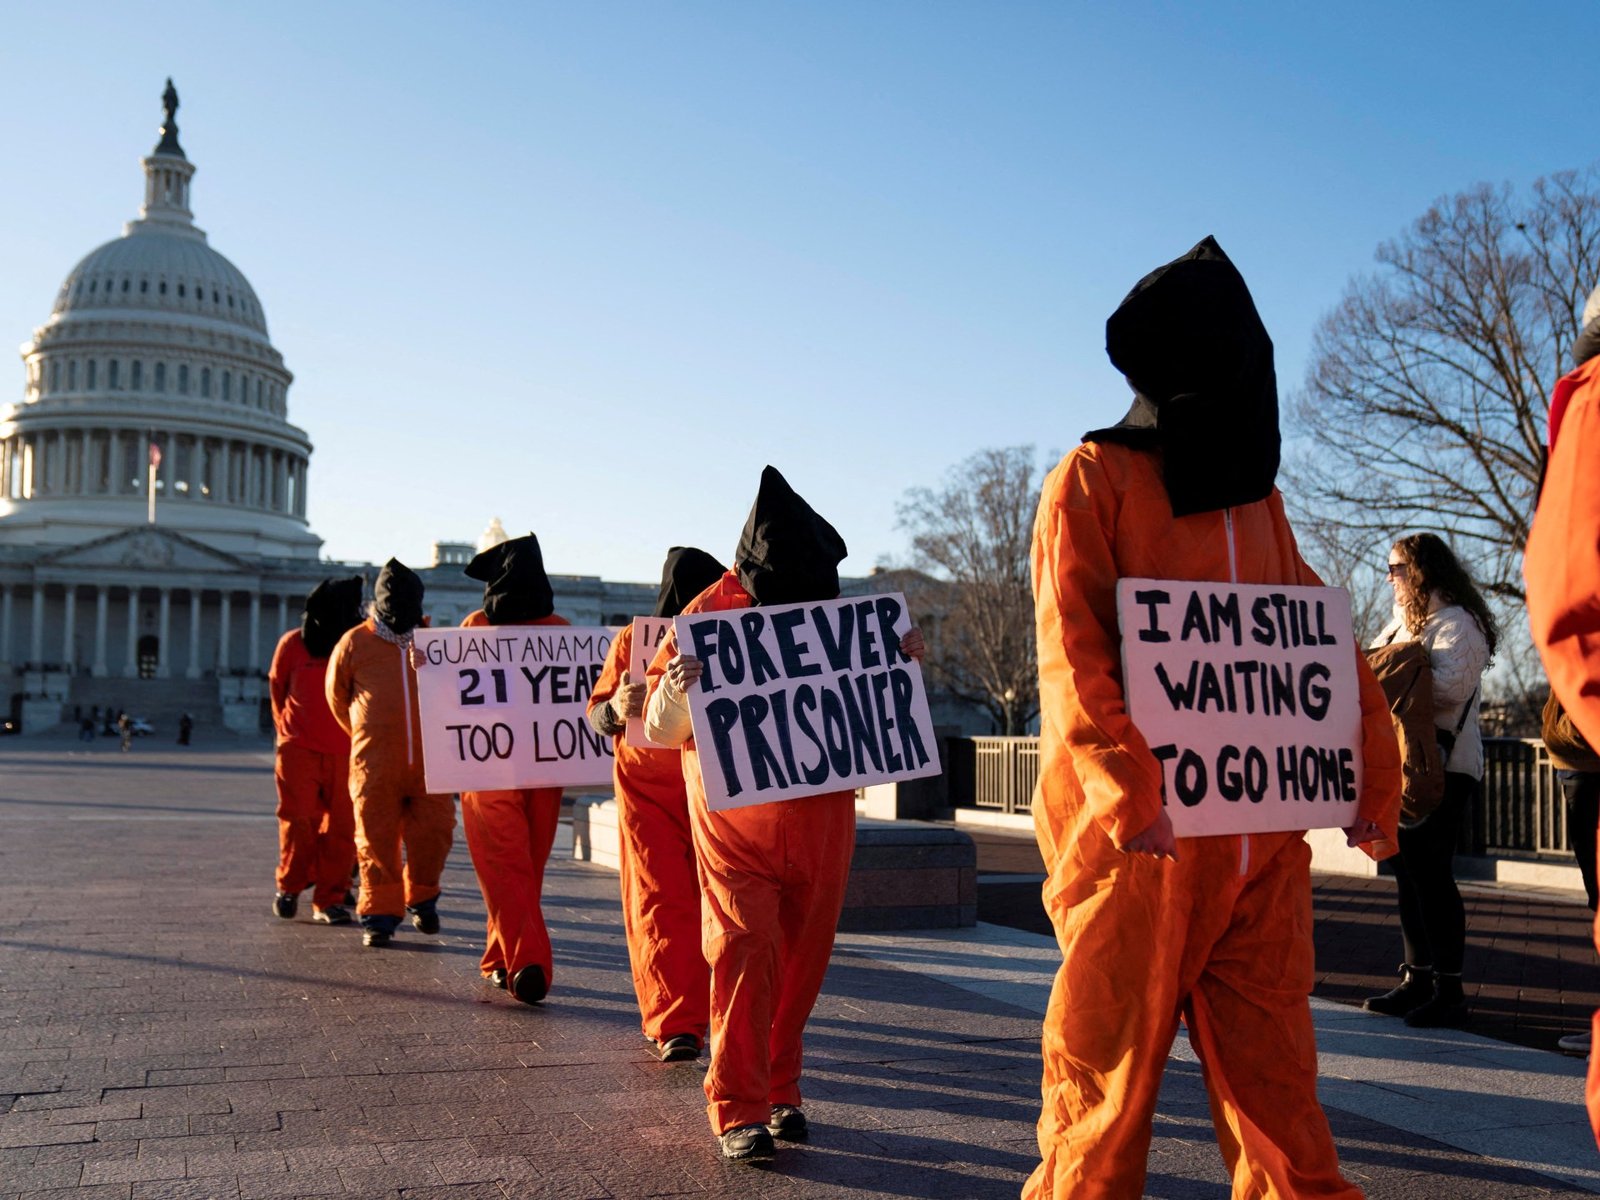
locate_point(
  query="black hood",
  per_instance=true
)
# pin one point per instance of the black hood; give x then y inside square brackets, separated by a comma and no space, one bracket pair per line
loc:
[1190,342]
[787,553]
[397,597]
[332,608]
[686,573]
[515,587]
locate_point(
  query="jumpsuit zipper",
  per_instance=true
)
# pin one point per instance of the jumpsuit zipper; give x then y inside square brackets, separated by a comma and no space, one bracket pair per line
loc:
[1233,577]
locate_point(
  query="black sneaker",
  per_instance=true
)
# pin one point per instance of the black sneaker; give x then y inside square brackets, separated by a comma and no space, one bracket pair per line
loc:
[748,1144]
[497,977]
[789,1123]
[680,1047]
[376,938]
[529,986]
[425,917]
[334,914]
[285,905]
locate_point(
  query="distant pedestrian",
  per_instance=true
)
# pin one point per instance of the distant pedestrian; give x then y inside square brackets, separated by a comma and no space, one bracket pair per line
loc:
[125,728]
[185,729]
[1437,604]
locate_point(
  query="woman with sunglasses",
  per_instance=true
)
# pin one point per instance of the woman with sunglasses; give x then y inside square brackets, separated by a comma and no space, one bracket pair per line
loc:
[1437,604]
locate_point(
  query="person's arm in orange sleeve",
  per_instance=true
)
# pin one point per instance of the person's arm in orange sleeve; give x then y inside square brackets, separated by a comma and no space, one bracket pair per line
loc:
[605,717]
[339,682]
[278,684]
[1563,568]
[1080,657]
[1378,809]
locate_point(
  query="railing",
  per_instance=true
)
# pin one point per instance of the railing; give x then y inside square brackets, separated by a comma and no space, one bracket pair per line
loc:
[1520,810]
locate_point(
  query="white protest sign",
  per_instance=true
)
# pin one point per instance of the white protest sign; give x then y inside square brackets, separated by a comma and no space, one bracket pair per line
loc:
[1249,697]
[648,634]
[802,699]
[503,706]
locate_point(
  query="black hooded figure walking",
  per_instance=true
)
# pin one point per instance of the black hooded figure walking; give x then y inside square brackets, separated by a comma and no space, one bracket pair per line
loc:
[772,875]
[316,822]
[403,833]
[510,831]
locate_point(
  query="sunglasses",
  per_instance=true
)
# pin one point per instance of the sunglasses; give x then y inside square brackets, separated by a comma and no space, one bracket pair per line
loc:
[1396,570]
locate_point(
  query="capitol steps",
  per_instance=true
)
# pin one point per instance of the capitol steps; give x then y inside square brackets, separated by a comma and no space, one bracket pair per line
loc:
[160,701]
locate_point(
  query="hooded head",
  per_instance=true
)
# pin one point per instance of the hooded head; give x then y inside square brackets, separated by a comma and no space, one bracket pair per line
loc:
[1191,344]
[686,573]
[787,553]
[332,608]
[397,597]
[515,587]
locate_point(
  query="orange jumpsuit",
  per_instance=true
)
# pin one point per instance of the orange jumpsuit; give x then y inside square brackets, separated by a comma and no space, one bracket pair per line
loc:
[372,690]
[316,822]
[1562,570]
[1222,936]
[772,881]
[660,889]
[510,833]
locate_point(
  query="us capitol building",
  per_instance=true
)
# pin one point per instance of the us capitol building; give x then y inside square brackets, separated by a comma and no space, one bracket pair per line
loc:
[155,366]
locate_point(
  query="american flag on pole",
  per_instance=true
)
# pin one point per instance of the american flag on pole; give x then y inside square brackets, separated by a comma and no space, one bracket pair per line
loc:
[155,454]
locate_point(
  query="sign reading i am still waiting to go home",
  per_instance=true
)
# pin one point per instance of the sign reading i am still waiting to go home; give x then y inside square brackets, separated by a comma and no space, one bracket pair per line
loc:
[1249,697]
[648,634]
[801,699]
[504,706]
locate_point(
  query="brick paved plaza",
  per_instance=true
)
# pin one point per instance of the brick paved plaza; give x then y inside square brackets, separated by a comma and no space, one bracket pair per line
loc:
[161,1035]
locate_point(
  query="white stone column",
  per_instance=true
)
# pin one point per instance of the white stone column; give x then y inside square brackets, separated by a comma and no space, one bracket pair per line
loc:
[5,472]
[36,628]
[69,628]
[114,462]
[102,602]
[225,631]
[130,668]
[197,471]
[251,475]
[192,671]
[283,616]
[253,660]
[164,632]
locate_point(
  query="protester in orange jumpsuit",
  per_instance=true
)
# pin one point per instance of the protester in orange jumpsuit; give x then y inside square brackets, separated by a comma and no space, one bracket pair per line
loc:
[1215,930]
[403,833]
[1562,567]
[510,832]
[772,876]
[316,823]
[660,892]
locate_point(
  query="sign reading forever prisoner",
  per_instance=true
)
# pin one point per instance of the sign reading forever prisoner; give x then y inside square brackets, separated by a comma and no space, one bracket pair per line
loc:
[1249,698]
[503,706]
[801,699]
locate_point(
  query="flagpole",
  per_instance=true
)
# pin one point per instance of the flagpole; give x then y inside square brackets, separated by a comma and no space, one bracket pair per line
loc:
[150,487]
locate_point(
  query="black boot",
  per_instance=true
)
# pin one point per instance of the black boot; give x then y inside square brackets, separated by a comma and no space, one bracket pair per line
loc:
[1445,1009]
[1415,990]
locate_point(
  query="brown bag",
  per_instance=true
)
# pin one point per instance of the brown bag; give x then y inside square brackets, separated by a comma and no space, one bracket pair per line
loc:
[1407,678]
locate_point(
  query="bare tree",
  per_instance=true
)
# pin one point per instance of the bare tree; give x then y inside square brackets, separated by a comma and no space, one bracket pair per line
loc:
[1425,401]
[972,536]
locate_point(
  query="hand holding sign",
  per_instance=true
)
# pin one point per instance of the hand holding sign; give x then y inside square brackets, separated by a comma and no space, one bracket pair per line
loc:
[1158,841]
[628,700]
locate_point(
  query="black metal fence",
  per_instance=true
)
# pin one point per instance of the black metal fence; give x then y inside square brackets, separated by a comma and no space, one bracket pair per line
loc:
[1519,811]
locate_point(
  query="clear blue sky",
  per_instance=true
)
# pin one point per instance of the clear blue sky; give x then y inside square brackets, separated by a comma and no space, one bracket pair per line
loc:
[588,266]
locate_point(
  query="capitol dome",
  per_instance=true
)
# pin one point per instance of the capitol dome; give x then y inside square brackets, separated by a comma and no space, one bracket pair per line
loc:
[156,352]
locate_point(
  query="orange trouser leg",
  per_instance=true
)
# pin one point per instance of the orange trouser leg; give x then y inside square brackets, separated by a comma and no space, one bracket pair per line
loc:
[336,838]
[510,834]
[1250,1024]
[427,826]
[661,916]
[300,810]
[1112,1016]
[377,808]
[772,885]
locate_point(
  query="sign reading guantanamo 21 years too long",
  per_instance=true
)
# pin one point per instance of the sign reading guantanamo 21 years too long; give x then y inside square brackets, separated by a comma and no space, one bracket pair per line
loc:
[802,699]
[1249,698]
[503,706]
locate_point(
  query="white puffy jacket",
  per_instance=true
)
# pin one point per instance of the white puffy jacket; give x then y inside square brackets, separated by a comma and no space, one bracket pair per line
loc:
[1458,653]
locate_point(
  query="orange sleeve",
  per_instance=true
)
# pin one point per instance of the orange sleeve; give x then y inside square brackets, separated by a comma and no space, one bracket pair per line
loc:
[1080,657]
[278,678]
[1562,567]
[339,682]
[617,660]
